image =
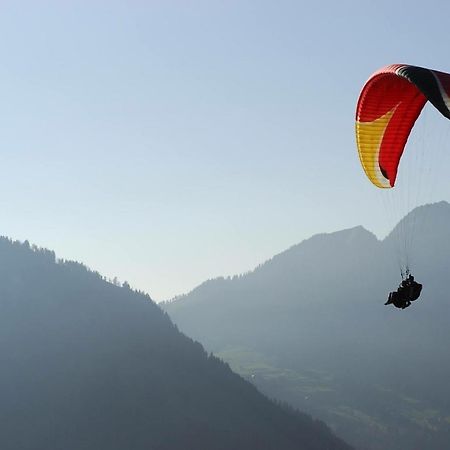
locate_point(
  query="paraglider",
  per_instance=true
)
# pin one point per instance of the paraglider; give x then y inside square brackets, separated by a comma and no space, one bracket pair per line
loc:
[408,291]
[388,106]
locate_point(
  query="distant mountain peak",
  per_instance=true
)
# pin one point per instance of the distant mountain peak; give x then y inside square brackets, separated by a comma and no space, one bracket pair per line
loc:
[423,217]
[356,231]
[342,237]
[427,207]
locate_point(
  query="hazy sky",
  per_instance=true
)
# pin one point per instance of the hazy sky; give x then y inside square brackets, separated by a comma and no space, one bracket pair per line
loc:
[167,142]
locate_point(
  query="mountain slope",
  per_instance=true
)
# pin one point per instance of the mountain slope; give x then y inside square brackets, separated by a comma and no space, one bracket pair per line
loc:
[90,365]
[309,327]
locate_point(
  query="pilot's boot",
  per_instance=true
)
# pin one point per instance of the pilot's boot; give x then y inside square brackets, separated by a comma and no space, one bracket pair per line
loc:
[389,301]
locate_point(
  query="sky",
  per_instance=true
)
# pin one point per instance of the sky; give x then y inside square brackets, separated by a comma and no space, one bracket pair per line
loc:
[169,142]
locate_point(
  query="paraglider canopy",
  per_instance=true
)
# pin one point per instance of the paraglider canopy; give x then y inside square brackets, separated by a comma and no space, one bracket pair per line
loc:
[388,106]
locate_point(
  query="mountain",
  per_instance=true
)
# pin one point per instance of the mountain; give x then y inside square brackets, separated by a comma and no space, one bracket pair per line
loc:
[309,327]
[89,365]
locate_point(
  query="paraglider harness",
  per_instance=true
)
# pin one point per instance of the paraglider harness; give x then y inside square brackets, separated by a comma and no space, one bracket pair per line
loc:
[408,291]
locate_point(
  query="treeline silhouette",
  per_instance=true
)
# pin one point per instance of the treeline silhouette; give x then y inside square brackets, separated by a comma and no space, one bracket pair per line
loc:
[88,364]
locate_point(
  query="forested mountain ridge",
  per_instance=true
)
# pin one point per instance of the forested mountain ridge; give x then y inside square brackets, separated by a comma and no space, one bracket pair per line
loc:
[310,327]
[89,365]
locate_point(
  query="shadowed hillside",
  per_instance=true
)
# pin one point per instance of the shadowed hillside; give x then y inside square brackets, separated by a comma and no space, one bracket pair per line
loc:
[309,327]
[88,365]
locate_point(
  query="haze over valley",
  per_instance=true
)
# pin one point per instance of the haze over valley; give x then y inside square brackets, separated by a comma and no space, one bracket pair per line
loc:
[310,327]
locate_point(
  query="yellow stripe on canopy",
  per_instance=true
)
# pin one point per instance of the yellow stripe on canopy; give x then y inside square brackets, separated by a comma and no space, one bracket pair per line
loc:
[369,136]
